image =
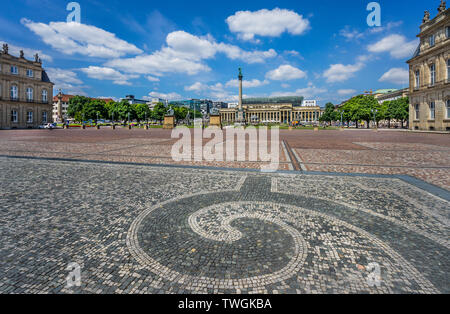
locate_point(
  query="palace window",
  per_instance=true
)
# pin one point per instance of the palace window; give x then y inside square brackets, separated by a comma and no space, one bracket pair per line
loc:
[14,70]
[417,79]
[44,117]
[448,108]
[417,110]
[44,95]
[432,110]
[432,40]
[30,73]
[447,31]
[14,92]
[448,70]
[29,94]
[433,74]
[30,117]
[14,116]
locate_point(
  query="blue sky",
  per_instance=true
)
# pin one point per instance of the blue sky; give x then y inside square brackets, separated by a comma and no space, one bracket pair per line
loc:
[322,50]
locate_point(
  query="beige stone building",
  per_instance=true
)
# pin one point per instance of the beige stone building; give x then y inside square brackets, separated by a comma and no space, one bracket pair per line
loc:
[281,110]
[26,92]
[429,74]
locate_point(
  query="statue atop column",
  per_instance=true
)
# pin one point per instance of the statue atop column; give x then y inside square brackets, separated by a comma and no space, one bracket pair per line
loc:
[442,7]
[240,115]
[426,17]
[36,57]
[22,55]
[5,49]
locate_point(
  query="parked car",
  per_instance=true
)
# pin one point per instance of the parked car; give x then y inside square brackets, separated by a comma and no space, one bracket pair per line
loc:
[48,126]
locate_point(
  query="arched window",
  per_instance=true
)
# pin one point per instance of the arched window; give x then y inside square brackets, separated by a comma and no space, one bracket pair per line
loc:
[29,94]
[44,95]
[14,92]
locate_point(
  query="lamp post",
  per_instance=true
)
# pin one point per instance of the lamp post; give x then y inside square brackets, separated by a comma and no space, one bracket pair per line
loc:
[374,111]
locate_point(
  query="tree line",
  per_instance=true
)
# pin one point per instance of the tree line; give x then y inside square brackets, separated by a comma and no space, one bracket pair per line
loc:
[84,108]
[366,108]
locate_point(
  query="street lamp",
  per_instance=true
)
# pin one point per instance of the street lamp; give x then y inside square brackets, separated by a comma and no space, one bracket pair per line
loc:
[374,111]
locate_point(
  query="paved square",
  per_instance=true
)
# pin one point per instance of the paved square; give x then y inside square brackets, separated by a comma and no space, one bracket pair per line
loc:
[155,229]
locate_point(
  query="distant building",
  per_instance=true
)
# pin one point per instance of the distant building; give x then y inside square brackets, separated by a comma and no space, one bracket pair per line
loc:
[309,103]
[201,105]
[133,101]
[429,74]
[25,92]
[383,95]
[61,104]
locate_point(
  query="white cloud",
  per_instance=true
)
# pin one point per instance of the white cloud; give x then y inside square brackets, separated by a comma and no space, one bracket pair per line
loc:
[247,84]
[152,79]
[88,40]
[59,76]
[396,45]
[285,73]
[341,72]
[102,73]
[200,87]
[29,52]
[398,76]
[311,91]
[344,92]
[185,53]
[168,96]
[269,23]
[350,34]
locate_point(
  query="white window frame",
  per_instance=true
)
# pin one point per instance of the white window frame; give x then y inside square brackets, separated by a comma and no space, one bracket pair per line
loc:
[448,70]
[432,40]
[14,92]
[30,92]
[417,74]
[432,74]
[432,110]
[30,73]
[417,111]
[44,117]
[14,116]
[14,70]
[44,95]
[448,108]
[29,116]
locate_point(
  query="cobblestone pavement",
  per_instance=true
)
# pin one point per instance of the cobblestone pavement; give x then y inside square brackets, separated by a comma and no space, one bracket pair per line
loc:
[421,155]
[150,229]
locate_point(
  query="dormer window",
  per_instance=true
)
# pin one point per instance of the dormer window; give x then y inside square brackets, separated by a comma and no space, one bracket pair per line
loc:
[447,31]
[432,40]
[30,73]
[14,70]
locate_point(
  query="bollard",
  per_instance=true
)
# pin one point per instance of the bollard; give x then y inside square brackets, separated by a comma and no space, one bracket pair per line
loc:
[98,127]
[113,126]
[146,127]
[129,127]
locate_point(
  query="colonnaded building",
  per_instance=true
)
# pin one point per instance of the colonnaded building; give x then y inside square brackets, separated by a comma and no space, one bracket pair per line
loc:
[282,110]
[26,92]
[429,74]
